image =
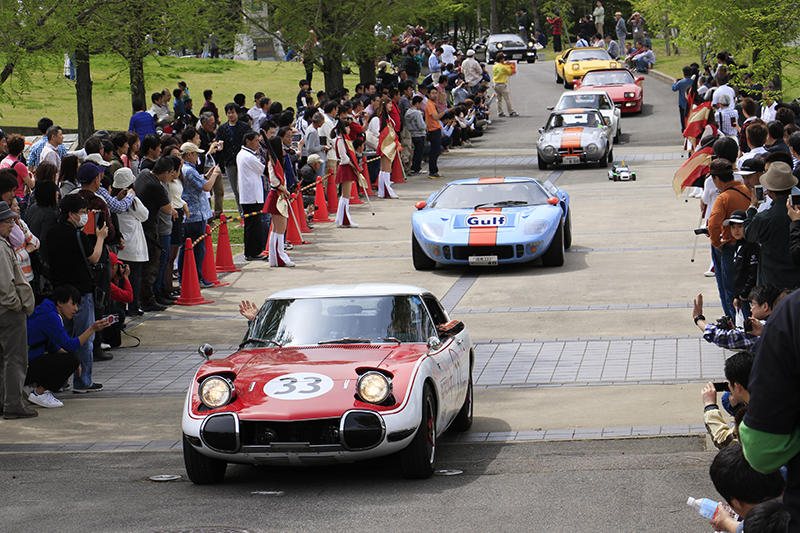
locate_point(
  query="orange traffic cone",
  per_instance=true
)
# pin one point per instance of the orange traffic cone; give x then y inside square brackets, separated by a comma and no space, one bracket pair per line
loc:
[300,212]
[190,285]
[333,200]
[365,171]
[321,214]
[209,268]
[292,235]
[354,199]
[224,255]
[397,170]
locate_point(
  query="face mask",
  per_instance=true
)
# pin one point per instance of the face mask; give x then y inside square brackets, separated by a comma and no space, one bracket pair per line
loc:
[82,220]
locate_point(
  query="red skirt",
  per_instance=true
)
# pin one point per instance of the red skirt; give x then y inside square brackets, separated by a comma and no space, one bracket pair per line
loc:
[345,173]
[271,205]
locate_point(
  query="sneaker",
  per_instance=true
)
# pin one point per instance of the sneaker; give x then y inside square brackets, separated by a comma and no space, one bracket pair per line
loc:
[100,355]
[241,224]
[161,300]
[488,121]
[45,399]
[96,387]
[422,172]
[709,274]
[104,346]
[501,114]
[435,176]
[152,307]
[27,390]
[514,114]
[204,284]
[65,387]
[287,246]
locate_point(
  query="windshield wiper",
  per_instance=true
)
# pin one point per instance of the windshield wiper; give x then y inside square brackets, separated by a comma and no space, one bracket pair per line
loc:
[392,339]
[512,202]
[263,341]
[347,340]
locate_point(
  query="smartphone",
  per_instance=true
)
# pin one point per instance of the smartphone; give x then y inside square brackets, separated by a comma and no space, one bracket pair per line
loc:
[759,194]
[701,231]
[296,138]
[99,219]
[733,121]
[111,319]
[323,140]
[794,199]
[721,386]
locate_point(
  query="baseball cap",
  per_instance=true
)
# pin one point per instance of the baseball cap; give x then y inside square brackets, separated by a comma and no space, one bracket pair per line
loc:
[751,166]
[189,148]
[470,52]
[313,159]
[737,217]
[97,159]
[88,172]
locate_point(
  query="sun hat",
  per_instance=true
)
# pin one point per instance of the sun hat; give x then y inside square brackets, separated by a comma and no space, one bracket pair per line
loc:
[779,177]
[6,212]
[123,178]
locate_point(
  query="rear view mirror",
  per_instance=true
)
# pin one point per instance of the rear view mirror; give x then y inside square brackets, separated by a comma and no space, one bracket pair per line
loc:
[206,351]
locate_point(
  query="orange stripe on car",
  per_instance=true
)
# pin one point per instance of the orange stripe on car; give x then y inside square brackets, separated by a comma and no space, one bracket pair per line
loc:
[484,236]
[491,180]
[571,138]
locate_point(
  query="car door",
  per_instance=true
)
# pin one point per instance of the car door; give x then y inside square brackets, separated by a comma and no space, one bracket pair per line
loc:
[455,355]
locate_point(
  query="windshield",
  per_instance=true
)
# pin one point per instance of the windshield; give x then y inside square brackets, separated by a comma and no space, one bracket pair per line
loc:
[619,77]
[357,320]
[571,120]
[588,55]
[593,101]
[509,41]
[471,194]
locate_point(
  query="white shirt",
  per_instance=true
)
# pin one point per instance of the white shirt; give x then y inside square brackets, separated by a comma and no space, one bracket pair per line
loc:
[768,112]
[258,117]
[130,225]
[250,169]
[326,130]
[724,89]
[49,153]
[471,70]
[749,155]
[448,55]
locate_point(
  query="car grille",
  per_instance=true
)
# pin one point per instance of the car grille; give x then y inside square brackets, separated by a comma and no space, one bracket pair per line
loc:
[570,151]
[462,253]
[313,432]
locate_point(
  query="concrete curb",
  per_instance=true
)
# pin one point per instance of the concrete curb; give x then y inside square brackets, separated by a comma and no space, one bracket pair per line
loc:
[661,76]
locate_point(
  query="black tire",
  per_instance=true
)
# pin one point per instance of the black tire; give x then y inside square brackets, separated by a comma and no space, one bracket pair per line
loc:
[463,420]
[202,470]
[568,231]
[603,162]
[558,78]
[554,256]
[418,459]
[542,164]
[530,61]
[619,132]
[421,261]
[611,155]
[568,85]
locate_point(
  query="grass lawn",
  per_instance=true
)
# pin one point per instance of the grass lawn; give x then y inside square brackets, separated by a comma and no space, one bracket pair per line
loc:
[53,95]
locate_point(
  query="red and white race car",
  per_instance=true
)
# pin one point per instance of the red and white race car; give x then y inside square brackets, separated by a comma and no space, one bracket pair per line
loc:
[330,374]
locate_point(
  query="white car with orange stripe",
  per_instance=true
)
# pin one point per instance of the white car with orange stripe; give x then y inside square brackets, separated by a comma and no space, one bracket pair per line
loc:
[575,136]
[492,221]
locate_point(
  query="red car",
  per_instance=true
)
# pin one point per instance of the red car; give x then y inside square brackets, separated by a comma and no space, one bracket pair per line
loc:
[625,90]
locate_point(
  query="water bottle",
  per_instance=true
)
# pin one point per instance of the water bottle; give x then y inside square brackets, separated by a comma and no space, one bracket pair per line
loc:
[704,506]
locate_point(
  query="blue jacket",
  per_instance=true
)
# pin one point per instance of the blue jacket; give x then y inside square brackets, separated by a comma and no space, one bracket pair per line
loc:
[46,332]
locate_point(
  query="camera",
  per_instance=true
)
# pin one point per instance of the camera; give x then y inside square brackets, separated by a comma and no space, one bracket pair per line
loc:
[794,199]
[721,386]
[701,231]
[725,322]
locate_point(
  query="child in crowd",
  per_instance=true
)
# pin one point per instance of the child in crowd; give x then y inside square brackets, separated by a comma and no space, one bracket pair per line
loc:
[745,262]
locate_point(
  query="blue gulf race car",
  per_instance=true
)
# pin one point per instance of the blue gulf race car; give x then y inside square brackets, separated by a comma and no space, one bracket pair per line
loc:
[492,221]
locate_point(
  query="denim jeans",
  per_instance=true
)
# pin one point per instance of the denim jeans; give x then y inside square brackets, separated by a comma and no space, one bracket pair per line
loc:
[723,270]
[75,327]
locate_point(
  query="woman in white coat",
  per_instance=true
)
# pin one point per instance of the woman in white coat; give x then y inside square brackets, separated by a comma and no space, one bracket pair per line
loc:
[130,226]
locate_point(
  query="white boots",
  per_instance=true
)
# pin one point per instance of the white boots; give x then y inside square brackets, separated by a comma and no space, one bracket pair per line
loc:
[277,256]
[343,219]
[385,185]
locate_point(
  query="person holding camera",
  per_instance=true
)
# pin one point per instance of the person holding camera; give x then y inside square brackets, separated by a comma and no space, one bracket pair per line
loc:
[72,253]
[52,351]
[737,375]
[723,333]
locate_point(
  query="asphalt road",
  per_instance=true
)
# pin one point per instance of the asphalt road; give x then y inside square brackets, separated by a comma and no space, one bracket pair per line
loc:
[623,290]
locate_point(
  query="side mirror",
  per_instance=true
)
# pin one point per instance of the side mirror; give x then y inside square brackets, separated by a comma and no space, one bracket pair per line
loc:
[206,351]
[552,200]
[421,205]
[454,327]
[639,80]
[551,107]
[541,130]
[561,61]
[434,343]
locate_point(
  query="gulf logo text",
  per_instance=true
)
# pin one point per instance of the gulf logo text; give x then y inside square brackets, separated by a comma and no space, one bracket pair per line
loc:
[486,219]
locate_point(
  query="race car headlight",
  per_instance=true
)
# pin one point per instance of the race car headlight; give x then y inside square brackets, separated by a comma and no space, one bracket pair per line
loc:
[499,46]
[576,67]
[216,391]
[530,44]
[592,148]
[629,95]
[432,232]
[374,387]
[549,150]
[536,227]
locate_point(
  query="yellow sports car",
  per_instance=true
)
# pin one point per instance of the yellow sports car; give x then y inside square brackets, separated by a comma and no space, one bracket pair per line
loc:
[573,63]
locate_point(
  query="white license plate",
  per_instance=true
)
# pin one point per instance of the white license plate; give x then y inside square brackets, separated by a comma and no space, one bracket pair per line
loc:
[483,260]
[571,160]
[516,56]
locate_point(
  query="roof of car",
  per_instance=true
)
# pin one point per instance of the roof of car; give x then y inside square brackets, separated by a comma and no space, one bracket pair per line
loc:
[496,180]
[573,110]
[362,289]
[504,36]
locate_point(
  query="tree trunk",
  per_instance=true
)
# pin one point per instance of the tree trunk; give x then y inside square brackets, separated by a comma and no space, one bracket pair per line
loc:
[494,22]
[535,13]
[366,71]
[455,33]
[480,22]
[7,71]
[83,93]
[332,69]
[136,67]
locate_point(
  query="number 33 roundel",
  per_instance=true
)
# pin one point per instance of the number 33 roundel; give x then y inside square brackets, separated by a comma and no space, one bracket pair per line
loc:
[298,386]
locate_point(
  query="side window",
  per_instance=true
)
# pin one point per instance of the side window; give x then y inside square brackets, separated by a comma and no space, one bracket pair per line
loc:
[604,103]
[435,308]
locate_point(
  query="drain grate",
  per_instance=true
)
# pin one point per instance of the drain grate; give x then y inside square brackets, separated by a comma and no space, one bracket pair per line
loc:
[203,530]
